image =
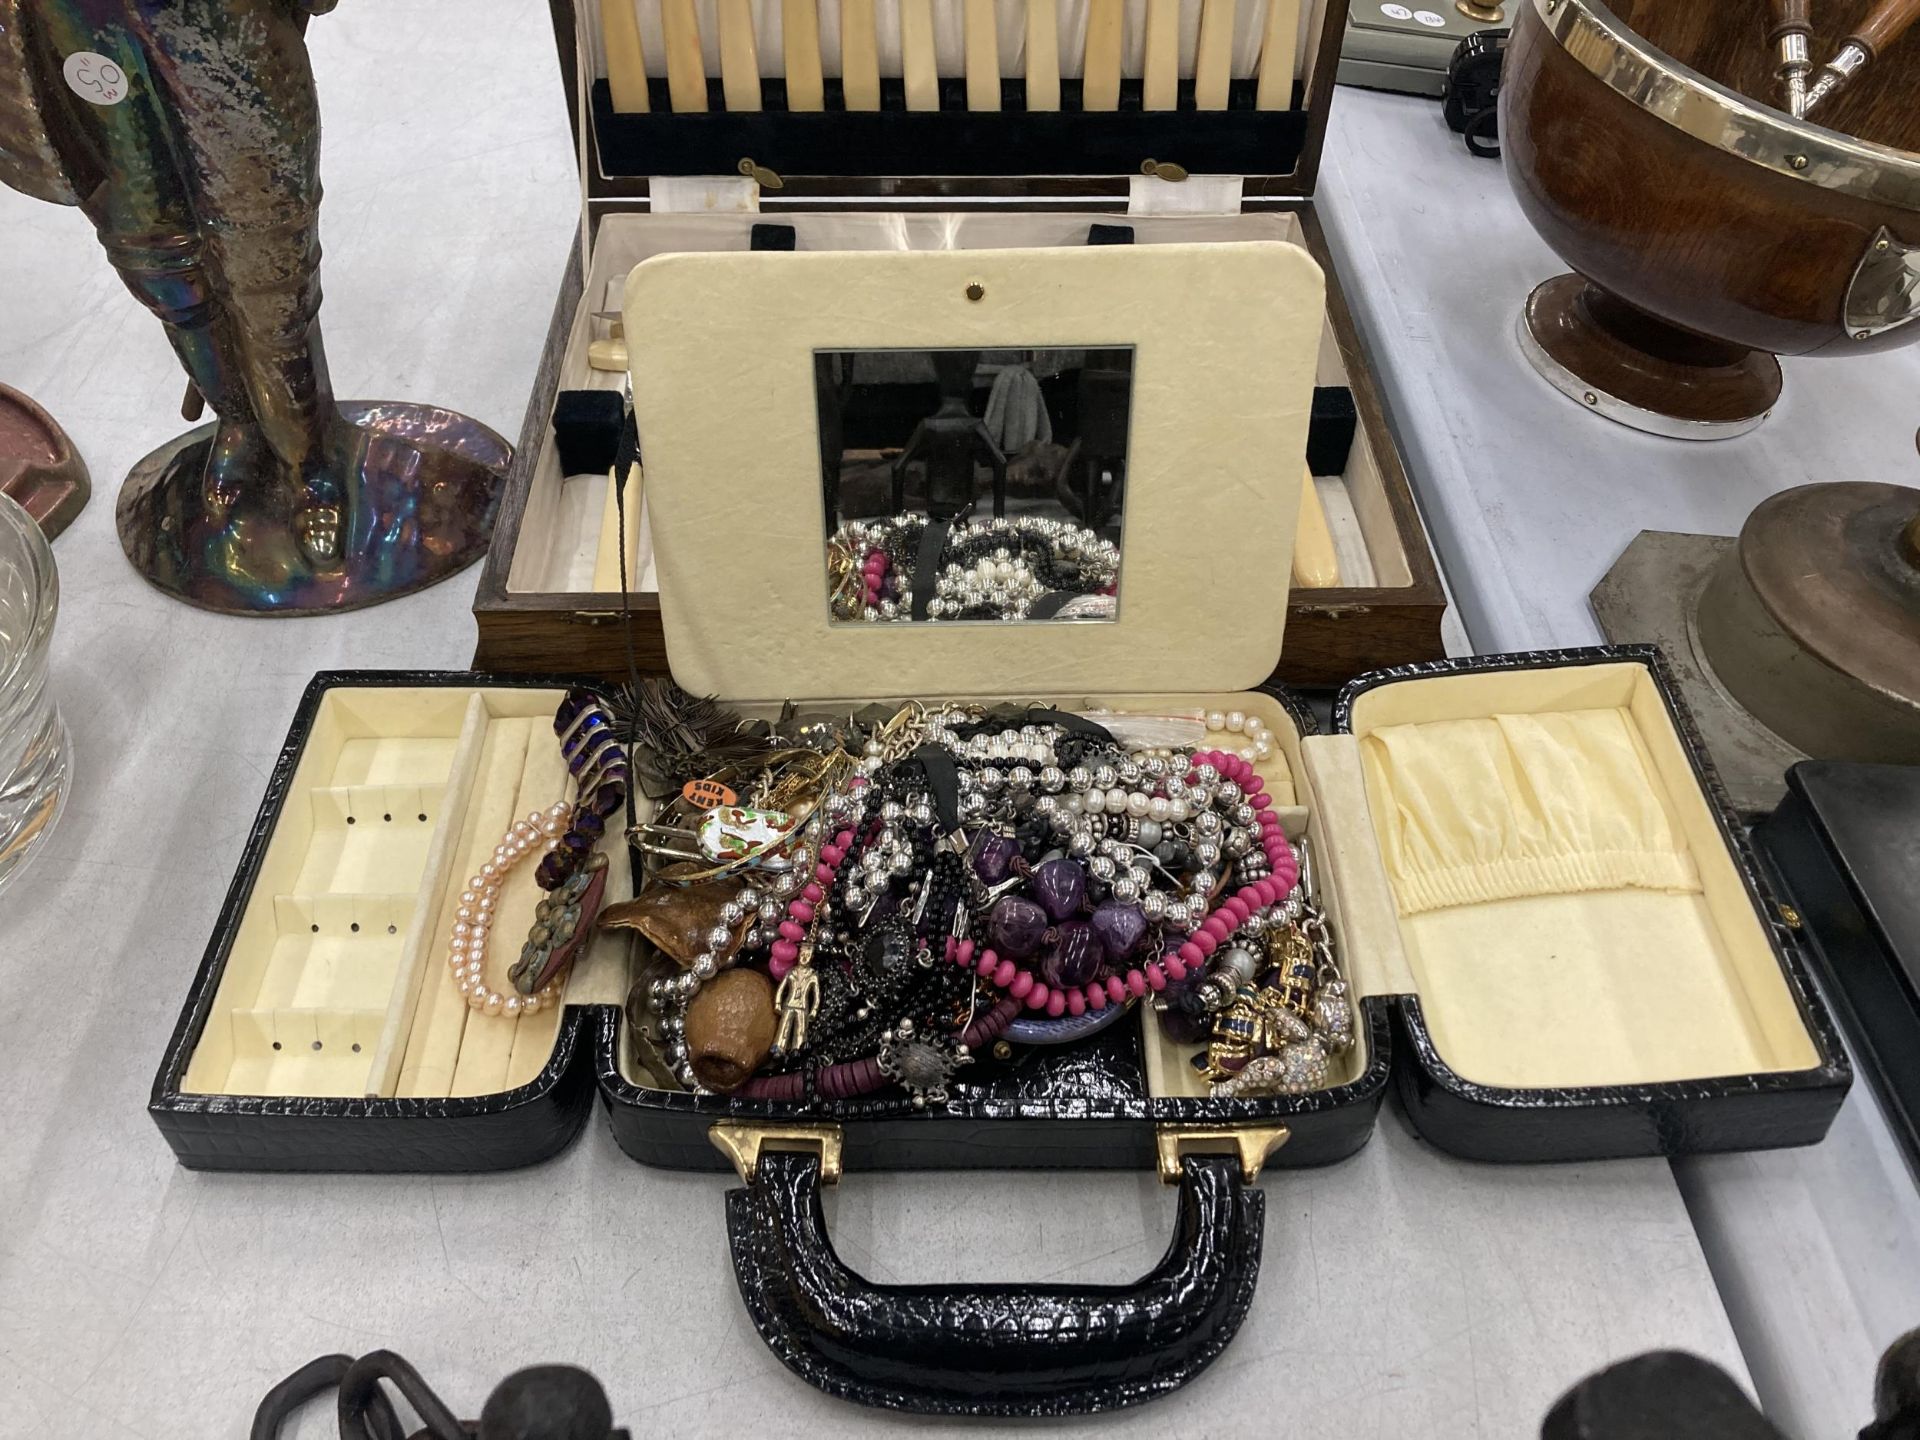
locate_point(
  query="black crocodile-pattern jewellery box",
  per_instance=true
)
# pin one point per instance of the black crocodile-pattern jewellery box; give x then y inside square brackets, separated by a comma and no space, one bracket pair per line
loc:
[1556,939]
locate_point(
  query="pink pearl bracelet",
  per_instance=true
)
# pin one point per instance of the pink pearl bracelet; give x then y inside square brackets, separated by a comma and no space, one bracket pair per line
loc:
[473,918]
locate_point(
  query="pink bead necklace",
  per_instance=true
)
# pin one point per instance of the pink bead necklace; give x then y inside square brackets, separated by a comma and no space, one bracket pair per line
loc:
[1025,986]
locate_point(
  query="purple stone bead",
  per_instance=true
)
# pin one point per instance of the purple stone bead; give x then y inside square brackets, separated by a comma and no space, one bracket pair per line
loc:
[1075,957]
[1121,928]
[607,799]
[589,824]
[993,857]
[1183,1019]
[552,871]
[1060,885]
[1016,927]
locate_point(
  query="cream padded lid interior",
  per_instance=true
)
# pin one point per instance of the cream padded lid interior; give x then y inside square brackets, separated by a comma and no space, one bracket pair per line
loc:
[1225,340]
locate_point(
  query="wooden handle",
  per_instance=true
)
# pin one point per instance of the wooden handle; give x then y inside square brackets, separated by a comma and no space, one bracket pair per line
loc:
[1790,17]
[1885,23]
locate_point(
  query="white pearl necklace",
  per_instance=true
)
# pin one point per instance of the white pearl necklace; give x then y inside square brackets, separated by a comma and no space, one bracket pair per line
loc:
[473,919]
[1259,744]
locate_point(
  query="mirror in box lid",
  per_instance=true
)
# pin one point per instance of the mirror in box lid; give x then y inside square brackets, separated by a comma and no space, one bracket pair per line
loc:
[1221,343]
[967,485]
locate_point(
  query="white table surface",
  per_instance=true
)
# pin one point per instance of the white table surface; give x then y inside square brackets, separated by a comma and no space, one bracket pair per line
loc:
[1529,500]
[1404,1294]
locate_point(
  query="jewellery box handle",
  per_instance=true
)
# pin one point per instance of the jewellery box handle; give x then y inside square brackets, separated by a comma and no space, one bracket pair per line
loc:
[993,1349]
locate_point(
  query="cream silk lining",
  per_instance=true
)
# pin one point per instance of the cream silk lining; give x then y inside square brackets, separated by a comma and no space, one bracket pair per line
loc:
[1511,806]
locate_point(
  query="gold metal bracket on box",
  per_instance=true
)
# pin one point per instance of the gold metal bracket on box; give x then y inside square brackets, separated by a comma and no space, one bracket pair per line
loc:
[741,1142]
[1252,1143]
[760,175]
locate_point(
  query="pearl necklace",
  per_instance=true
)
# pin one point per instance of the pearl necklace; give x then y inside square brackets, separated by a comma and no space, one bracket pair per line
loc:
[1000,567]
[473,919]
[1250,727]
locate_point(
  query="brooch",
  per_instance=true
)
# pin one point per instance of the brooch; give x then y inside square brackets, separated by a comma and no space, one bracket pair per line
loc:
[921,1064]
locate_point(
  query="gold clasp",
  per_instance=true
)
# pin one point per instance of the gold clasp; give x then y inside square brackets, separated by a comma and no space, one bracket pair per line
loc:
[741,1142]
[1163,170]
[1252,1143]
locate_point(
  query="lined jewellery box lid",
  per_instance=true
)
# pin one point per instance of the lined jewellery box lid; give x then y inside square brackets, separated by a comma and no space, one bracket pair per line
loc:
[1224,340]
[1239,88]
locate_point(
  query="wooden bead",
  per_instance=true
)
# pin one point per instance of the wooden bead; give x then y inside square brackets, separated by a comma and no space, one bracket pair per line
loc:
[730,1028]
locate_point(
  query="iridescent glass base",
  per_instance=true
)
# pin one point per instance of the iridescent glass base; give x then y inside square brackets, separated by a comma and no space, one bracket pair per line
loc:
[418,487]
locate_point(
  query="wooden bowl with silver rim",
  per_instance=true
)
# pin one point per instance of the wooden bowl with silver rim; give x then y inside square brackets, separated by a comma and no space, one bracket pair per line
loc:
[1708,232]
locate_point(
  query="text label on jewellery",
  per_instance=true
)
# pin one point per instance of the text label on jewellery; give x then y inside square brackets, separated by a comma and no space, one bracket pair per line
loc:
[95,78]
[708,794]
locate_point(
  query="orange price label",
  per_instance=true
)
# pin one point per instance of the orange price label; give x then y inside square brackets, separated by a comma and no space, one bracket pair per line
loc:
[708,794]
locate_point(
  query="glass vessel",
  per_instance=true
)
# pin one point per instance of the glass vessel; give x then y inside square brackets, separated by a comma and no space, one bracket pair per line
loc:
[33,738]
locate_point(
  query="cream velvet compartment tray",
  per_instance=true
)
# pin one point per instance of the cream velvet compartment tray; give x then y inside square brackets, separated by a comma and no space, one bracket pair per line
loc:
[1588,960]
[323,1030]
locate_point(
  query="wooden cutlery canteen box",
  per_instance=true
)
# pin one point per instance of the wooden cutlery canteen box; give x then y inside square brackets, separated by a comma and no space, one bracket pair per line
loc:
[920,125]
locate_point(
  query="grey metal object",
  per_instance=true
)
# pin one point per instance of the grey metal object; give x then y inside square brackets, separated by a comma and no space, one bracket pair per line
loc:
[1402,79]
[1651,595]
[1813,620]
[1654,81]
[1885,293]
[1386,50]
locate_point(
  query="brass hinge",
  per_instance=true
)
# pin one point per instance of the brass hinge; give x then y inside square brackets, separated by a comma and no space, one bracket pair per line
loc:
[760,175]
[1163,170]
[1332,612]
[742,1141]
[1252,1143]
